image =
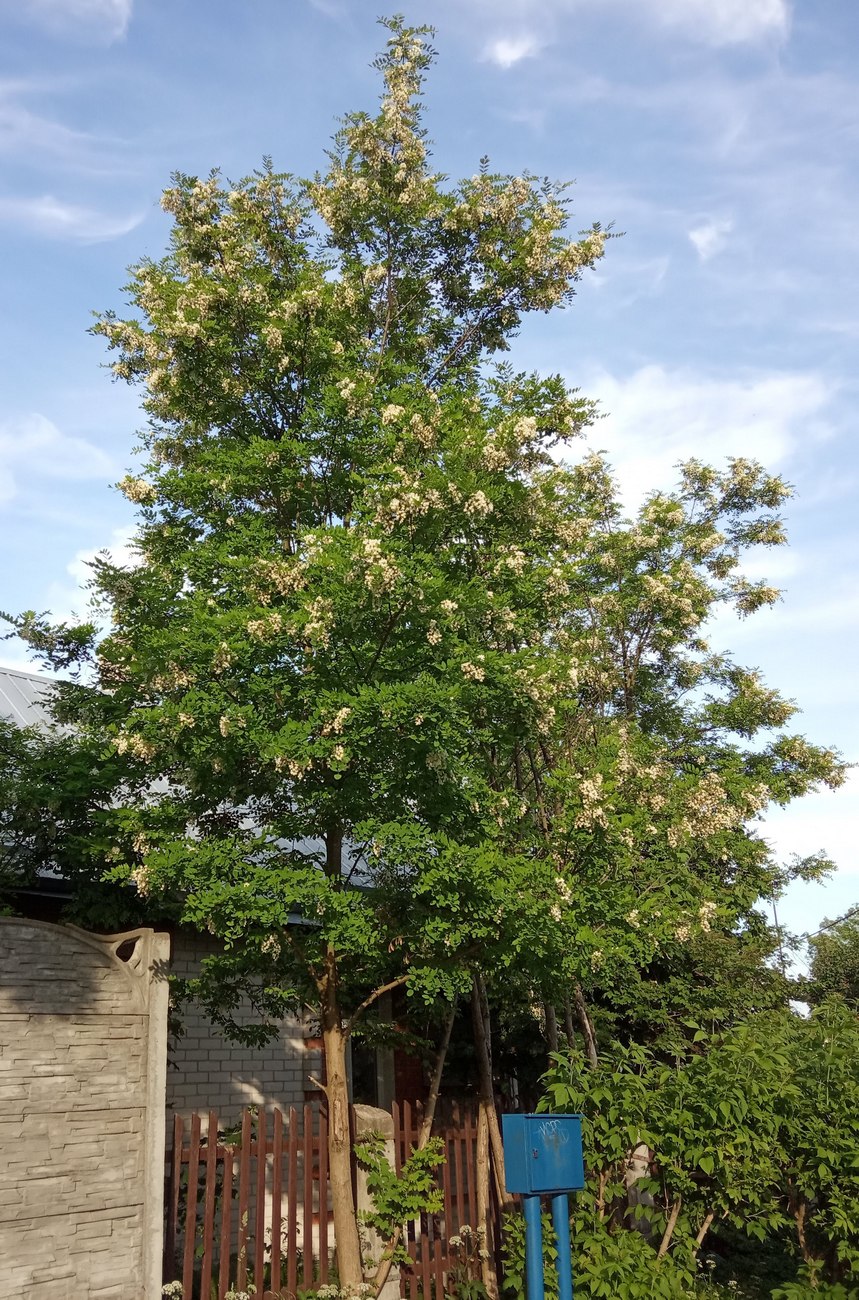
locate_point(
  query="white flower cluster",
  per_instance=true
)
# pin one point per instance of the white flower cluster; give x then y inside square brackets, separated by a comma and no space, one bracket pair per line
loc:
[512,558]
[381,573]
[130,743]
[478,505]
[337,723]
[706,912]
[318,627]
[265,629]
[222,658]
[173,678]
[137,490]
[591,792]
[474,672]
[285,578]
[142,880]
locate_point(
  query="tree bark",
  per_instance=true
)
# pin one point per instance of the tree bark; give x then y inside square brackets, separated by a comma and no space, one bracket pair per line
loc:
[335,1037]
[551,1027]
[348,1242]
[484,1219]
[569,1027]
[703,1230]
[482,1040]
[586,1026]
[669,1228]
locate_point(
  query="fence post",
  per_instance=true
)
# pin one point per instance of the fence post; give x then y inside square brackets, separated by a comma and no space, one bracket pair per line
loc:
[368,1119]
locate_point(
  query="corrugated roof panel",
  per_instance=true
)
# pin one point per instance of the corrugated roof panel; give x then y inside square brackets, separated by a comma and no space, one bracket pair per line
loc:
[22,698]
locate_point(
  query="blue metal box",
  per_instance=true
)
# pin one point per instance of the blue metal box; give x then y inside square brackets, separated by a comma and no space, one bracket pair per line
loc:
[543,1153]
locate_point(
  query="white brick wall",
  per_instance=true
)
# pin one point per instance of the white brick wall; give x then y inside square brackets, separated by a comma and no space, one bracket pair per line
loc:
[207,1072]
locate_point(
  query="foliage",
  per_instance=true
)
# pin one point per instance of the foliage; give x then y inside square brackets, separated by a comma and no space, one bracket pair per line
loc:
[757,1127]
[835,960]
[468,1250]
[399,1197]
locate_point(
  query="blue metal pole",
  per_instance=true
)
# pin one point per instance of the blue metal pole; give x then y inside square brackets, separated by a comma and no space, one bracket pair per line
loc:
[561,1224]
[533,1248]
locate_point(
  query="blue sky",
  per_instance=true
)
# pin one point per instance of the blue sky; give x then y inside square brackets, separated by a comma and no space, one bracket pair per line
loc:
[719,135]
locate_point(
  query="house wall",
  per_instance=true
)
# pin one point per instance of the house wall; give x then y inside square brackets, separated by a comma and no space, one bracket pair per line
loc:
[208,1072]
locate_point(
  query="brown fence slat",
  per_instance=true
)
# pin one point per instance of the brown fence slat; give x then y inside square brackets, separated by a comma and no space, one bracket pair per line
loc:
[398,1138]
[292,1206]
[237,1255]
[276,1195]
[438,1267]
[191,1207]
[307,1199]
[456,1145]
[226,1226]
[171,1260]
[323,1198]
[446,1136]
[259,1224]
[469,1140]
[244,1201]
[209,1206]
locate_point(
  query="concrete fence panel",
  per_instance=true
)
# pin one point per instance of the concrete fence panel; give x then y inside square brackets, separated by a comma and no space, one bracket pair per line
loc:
[83,1042]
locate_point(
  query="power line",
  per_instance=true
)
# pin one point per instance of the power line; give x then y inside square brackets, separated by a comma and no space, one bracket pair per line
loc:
[830,925]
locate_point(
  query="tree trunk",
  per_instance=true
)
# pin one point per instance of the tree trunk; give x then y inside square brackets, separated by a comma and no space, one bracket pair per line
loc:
[586,1026]
[335,1038]
[484,1202]
[551,1027]
[347,1240]
[482,1040]
[569,1027]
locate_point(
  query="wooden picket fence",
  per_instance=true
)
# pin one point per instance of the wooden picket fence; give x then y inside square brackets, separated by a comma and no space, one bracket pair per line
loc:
[254,1205]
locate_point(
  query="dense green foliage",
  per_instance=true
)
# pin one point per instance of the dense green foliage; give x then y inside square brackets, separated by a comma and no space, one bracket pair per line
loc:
[754,1131]
[835,961]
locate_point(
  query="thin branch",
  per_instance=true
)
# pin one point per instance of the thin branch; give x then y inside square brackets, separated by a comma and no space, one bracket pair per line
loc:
[702,1231]
[368,1001]
[669,1228]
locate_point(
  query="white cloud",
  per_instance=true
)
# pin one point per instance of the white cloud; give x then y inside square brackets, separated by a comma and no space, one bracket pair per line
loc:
[507,50]
[711,238]
[34,447]
[58,220]
[709,22]
[724,22]
[656,417]
[101,20]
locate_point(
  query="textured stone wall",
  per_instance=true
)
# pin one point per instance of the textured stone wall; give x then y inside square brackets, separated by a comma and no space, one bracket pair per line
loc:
[83,1027]
[206,1071]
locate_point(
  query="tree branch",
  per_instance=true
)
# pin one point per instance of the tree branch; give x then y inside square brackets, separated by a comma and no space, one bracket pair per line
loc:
[374,997]
[669,1229]
[702,1231]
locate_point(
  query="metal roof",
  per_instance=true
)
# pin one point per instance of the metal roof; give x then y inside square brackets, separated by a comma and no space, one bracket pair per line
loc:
[22,698]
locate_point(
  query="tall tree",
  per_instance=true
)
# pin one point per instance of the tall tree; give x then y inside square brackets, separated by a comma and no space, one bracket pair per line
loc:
[399,697]
[336,489]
